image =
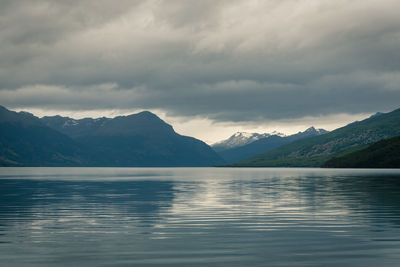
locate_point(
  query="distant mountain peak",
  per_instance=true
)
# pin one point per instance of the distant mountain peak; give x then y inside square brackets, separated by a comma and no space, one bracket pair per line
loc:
[241,139]
[254,143]
[146,113]
[312,129]
[143,114]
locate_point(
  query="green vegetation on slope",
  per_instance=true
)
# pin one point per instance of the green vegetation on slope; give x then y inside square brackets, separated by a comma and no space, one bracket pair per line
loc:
[315,151]
[382,154]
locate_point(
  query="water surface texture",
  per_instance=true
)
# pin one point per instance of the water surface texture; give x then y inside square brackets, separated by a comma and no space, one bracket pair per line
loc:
[199,217]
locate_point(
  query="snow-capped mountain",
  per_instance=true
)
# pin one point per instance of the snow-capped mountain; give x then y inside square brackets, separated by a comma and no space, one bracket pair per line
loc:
[265,142]
[314,131]
[241,139]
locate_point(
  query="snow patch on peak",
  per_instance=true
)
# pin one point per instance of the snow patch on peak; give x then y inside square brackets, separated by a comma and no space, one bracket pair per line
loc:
[243,135]
[278,134]
[70,122]
[243,138]
[312,129]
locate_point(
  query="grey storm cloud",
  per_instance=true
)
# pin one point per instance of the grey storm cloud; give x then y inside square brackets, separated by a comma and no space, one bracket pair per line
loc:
[241,60]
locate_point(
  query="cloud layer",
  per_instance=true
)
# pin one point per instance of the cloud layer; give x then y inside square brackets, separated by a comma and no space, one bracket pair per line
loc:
[242,60]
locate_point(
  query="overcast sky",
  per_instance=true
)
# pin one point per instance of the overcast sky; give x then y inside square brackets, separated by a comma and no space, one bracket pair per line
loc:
[207,67]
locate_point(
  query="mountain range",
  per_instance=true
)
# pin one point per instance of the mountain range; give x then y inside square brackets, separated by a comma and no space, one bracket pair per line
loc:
[241,146]
[141,139]
[315,151]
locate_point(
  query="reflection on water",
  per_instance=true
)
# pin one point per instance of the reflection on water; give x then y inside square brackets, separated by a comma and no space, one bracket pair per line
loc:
[199,217]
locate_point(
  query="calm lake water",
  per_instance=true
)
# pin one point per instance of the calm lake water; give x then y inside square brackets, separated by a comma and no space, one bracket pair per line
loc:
[199,217]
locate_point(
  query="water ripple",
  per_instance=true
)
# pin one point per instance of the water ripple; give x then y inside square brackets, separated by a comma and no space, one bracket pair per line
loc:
[199,217]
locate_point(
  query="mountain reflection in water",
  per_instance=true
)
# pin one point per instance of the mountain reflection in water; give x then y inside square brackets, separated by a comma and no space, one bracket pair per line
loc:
[199,216]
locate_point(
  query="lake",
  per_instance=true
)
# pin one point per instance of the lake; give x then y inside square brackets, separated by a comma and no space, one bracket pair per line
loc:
[199,217]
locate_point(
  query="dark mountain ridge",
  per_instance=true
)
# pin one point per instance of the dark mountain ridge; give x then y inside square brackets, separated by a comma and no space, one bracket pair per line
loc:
[382,154]
[26,141]
[141,139]
[141,123]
